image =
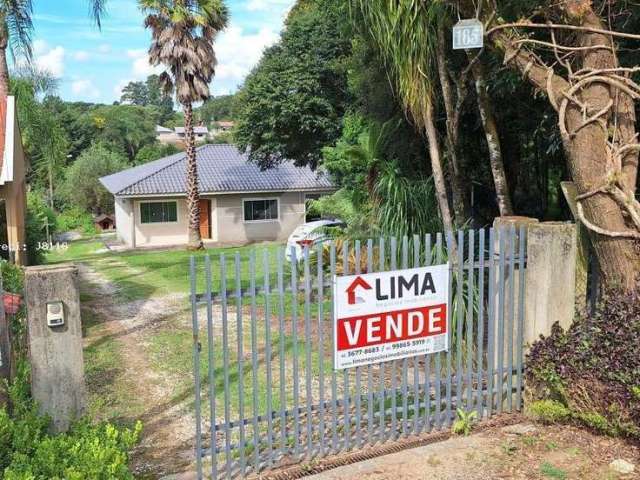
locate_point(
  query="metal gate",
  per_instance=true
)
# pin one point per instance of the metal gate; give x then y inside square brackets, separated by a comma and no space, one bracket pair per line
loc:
[266,393]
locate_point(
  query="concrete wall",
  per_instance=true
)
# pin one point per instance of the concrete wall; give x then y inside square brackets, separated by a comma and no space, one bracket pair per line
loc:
[227,221]
[124,219]
[161,234]
[232,228]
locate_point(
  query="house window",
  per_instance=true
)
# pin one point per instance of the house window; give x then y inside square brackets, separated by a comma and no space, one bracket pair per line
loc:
[260,210]
[159,212]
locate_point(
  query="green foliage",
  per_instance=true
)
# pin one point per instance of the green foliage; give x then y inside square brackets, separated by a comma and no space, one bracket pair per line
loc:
[75,219]
[215,109]
[125,128]
[550,471]
[155,151]
[291,104]
[223,138]
[549,411]
[12,277]
[406,207]
[39,217]
[45,142]
[463,425]
[341,205]
[405,34]
[149,93]
[592,368]
[28,452]
[82,187]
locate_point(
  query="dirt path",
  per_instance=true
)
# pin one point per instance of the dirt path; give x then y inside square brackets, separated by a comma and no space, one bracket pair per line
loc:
[167,438]
[523,451]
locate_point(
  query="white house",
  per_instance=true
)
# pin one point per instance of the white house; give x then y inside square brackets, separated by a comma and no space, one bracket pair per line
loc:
[239,203]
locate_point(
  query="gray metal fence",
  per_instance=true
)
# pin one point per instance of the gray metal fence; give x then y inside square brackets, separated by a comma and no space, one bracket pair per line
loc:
[266,393]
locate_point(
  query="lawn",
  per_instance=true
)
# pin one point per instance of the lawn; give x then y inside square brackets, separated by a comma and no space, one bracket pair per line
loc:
[147,273]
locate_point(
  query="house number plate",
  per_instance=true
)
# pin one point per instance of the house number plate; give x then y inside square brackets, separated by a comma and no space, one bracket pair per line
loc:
[468,34]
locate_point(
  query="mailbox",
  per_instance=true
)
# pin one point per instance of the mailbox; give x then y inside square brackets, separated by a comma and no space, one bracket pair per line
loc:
[55,314]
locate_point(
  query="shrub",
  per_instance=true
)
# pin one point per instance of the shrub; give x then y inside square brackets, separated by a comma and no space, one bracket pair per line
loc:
[39,216]
[12,277]
[463,424]
[82,187]
[549,411]
[75,219]
[28,452]
[593,369]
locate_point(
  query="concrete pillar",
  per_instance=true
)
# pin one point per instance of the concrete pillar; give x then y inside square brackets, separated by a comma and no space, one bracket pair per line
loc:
[57,368]
[550,278]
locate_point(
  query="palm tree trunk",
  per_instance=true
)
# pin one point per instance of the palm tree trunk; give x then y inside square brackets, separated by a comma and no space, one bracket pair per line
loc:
[493,141]
[436,168]
[193,195]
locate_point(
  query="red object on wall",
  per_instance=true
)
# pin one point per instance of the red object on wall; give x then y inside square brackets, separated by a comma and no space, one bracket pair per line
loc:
[12,302]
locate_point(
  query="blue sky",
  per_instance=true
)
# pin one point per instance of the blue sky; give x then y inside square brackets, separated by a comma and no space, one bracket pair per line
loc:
[94,65]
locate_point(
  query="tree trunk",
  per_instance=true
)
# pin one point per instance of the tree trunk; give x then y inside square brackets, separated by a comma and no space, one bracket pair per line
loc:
[452,109]
[587,147]
[436,168]
[193,195]
[619,258]
[4,68]
[493,140]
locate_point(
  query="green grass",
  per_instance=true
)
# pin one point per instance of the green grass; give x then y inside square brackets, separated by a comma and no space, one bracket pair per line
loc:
[550,471]
[109,389]
[144,273]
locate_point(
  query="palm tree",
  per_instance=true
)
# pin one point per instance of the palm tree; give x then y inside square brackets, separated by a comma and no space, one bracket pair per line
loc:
[183,32]
[405,33]
[16,27]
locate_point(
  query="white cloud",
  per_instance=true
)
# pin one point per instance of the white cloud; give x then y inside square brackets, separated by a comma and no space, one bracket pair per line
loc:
[254,5]
[140,67]
[136,53]
[49,59]
[81,56]
[85,88]
[104,48]
[117,90]
[238,52]
[40,47]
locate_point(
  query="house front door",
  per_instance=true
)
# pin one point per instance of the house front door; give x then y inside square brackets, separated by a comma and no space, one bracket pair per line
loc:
[205,219]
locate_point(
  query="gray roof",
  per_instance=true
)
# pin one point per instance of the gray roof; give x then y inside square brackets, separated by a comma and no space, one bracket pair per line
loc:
[221,169]
[161,129]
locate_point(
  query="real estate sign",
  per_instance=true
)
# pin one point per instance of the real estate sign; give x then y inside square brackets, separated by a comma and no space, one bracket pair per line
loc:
[390,315]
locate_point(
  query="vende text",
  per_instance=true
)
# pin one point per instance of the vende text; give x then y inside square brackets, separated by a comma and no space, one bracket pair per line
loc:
[389,327]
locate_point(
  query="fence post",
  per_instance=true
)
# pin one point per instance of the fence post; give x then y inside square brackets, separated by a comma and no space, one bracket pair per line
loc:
[57,368]
[550,278]
[507,304]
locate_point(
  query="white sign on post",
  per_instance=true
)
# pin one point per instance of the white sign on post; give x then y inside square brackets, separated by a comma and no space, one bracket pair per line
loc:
[390,315]
[468,34]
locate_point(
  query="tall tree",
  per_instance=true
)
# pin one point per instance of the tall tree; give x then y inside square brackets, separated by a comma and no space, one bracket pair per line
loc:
[135,93]
[44,139]
[183,33]
[405,35]
[291,104]
[16,27]
[566,49]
